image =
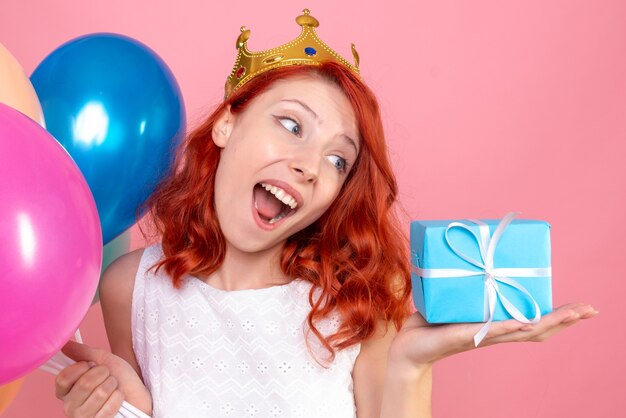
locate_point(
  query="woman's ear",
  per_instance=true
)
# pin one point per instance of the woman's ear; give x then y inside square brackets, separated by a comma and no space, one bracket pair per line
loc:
[223,127]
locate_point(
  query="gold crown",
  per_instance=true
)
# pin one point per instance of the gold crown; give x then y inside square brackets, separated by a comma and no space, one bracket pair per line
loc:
[306,49]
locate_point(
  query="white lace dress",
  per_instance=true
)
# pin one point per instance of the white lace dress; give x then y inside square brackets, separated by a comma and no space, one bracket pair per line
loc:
[206,352]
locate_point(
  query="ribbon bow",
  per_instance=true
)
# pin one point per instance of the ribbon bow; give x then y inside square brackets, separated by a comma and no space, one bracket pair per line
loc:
[487,245]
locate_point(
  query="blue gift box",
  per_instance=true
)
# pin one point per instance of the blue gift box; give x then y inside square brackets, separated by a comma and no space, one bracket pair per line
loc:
[522,247]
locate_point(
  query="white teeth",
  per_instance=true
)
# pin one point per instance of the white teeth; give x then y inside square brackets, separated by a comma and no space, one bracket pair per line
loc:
[277,218]
[287,200]
[281,195]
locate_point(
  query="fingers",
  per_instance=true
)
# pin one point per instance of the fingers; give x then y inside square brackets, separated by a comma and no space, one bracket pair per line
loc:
[77,351]
[112,405]
[550,324]
[575,315]
[443,340]
[68,376]
[99,397]
[90,392]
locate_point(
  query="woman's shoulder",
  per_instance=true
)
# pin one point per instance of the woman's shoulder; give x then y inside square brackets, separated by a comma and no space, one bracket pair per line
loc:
[119,277]
[130,259]
[120,274]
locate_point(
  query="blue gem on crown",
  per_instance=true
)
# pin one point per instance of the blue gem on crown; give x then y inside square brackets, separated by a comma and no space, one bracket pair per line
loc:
[310,51]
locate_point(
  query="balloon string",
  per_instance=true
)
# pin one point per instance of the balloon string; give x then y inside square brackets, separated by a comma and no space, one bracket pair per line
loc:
[60,361]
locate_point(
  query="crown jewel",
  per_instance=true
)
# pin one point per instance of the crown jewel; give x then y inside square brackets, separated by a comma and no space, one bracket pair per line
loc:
[306,49]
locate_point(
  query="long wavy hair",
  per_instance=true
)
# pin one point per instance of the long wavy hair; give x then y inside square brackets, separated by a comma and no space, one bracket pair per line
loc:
[355,254]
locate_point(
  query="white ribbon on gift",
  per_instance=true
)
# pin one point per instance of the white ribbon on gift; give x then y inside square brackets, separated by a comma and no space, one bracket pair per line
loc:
[487,245]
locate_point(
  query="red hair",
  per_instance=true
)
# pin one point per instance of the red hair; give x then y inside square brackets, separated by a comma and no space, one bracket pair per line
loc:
[355,254]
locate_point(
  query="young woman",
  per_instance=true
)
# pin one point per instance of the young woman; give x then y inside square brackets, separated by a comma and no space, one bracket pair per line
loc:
[280,284]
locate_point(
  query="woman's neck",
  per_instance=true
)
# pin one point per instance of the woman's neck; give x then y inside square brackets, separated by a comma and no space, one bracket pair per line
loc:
[243,270]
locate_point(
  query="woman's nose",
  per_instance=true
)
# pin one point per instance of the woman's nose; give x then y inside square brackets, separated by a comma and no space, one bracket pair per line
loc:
[305,167]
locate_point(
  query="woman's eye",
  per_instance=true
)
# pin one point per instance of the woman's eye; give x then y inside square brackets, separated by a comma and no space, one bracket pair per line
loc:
[340,163]
[291,125]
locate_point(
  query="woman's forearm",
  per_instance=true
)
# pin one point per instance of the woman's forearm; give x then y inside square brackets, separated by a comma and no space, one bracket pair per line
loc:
[407,392]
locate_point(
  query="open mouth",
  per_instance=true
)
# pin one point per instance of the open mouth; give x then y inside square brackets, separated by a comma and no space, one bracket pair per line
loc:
[272,203]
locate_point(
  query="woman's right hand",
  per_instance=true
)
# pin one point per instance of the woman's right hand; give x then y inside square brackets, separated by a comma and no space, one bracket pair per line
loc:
[419,344]
[97,383]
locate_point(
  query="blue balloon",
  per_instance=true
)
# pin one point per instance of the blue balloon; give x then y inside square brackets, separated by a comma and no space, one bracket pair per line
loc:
[117,109]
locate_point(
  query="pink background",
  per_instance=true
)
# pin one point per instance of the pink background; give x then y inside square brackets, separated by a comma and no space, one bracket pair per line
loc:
[489,106]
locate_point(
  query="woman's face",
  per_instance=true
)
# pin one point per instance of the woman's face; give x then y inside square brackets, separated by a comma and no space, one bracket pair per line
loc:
[284,160]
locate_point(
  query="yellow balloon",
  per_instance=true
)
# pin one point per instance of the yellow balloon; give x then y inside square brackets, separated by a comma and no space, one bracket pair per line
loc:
[16,89]
[8,392]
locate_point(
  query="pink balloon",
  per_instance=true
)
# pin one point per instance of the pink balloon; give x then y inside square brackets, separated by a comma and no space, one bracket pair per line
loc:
[50,245]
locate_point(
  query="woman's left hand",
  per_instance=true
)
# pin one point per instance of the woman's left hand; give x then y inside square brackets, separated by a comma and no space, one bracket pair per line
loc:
[420,344]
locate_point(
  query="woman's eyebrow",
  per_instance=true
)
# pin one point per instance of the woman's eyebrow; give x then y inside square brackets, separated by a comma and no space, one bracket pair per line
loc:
[345,137]
[350,141]
[304,105]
